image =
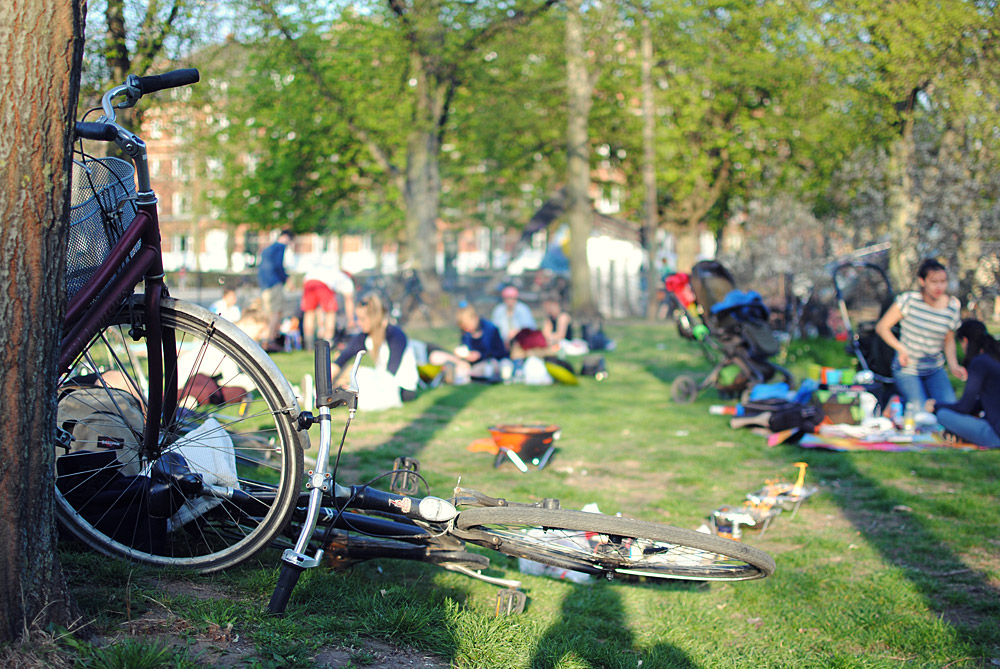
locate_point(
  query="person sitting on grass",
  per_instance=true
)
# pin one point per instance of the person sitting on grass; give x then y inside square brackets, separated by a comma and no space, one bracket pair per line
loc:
[511,315]
[479,353]
[394,378]
[975,418]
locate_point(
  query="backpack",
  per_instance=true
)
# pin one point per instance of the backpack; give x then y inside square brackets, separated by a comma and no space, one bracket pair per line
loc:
[103,419]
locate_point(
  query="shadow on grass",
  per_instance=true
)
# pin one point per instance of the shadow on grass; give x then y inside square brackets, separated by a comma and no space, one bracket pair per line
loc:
[961,595]
[598,640]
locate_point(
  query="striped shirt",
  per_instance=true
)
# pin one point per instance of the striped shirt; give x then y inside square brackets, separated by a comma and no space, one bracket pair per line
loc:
[922,331]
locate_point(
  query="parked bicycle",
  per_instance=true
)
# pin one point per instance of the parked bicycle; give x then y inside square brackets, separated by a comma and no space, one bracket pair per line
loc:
[399,525]
[182,444]
[177,440]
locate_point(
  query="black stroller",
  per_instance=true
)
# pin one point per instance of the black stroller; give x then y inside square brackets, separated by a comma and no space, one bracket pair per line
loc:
[864,292]
[739,334]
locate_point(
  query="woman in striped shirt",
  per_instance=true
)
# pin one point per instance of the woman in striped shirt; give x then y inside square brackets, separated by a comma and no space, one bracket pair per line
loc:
[927,321]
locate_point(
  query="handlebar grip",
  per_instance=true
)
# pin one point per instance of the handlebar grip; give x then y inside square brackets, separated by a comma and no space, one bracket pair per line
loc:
[283,591]
[100,131]
[158,82]
[324,380]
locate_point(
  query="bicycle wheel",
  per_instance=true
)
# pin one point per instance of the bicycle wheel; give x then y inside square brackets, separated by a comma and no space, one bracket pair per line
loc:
[598,544]
[230,464]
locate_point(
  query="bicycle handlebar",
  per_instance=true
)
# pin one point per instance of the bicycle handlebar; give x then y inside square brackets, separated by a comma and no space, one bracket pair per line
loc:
[326,394]
[158,82]
[103,132]
[324,382]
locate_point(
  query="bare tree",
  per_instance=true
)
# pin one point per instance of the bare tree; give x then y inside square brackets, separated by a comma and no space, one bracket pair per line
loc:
[42,56]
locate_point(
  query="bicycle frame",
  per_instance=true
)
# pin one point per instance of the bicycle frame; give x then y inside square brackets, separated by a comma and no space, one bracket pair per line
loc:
[115,280]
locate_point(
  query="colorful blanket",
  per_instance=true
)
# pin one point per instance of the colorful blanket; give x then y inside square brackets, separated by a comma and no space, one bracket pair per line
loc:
[917,442]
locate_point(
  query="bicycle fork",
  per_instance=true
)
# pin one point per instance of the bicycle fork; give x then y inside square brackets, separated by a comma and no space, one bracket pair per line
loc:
[320,482]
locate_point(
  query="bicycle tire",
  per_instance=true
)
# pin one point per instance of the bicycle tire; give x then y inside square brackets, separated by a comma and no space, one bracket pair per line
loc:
[606,545]
[242,438]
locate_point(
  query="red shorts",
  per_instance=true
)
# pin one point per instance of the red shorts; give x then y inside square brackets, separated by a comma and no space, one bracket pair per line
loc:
[318,294]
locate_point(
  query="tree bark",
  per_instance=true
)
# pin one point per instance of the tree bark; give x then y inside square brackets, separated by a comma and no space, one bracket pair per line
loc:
[41,55]
[579,211]
[423,178]
[687,245]
[649,168]
[905,206]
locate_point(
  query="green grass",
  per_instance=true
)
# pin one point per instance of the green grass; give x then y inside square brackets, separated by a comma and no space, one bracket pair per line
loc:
[894,563]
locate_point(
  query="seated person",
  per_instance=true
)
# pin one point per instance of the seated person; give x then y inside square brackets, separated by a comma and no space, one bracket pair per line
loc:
[481,349]
[975,418]
[394,377]
[511,316]
[227,306]
[558,324]
[556,329]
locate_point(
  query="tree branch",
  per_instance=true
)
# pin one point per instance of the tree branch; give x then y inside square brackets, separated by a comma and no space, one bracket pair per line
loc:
[380,155]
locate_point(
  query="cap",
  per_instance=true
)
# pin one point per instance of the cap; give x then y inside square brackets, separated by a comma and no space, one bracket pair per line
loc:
[509,291]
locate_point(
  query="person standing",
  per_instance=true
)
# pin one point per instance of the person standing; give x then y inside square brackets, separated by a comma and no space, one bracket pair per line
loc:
[271,276]
[511,315]
[927,321]
[320,289]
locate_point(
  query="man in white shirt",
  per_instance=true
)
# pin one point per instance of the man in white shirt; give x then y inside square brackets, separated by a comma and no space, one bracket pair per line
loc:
[320,289]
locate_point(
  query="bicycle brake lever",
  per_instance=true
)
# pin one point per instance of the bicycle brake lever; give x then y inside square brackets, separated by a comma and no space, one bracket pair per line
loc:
[353,387]
[348,396]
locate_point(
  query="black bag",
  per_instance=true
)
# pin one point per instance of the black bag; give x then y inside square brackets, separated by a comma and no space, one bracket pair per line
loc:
[805,417]
[593,365]
[779,415]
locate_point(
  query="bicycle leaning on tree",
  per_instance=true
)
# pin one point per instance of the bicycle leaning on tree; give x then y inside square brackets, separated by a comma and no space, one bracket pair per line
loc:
[182,444]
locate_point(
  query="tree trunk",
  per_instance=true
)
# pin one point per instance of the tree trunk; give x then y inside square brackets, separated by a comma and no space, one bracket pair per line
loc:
[687,245]
[649,169]
[42,56]
[579,211]
[423,178]
[905,206]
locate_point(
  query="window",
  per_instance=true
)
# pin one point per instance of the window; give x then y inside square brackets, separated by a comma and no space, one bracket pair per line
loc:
[180,204]
[183,168]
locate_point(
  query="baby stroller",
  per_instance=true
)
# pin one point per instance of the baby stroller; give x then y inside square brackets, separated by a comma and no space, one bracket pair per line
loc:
[738,333]
[864,292]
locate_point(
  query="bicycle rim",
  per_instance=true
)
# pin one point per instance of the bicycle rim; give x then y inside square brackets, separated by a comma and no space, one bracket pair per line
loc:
[598,544]
[230,467]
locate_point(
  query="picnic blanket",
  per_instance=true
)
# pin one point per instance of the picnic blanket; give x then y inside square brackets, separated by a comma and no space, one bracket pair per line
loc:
[916,442]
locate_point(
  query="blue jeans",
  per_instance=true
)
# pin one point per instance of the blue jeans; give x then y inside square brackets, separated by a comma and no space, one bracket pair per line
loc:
[972,429]
[919,389]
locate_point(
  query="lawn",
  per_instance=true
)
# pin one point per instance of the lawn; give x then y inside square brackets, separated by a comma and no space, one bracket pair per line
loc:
[895,562]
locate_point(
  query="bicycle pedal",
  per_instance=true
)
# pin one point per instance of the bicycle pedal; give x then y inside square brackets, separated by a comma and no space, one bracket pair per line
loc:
[509,602]
[404,480]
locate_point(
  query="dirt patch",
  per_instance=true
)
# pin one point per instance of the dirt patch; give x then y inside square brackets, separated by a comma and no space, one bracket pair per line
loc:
[378,654]
[222,646]
[212,645]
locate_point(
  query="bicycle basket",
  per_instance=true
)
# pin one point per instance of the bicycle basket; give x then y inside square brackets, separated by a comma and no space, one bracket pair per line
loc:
[102,207]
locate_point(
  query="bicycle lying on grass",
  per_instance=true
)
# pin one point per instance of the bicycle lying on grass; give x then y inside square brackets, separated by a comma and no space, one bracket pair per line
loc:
[181,443]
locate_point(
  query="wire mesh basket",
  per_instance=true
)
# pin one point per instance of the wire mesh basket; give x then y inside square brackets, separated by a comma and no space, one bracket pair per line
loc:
[102,207]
